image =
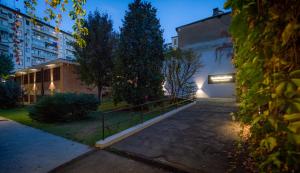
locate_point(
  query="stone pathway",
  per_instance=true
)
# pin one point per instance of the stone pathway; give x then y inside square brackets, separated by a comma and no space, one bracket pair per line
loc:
[197,139]
[27,150]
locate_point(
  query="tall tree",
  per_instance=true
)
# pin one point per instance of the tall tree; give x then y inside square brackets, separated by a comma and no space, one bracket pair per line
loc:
[179,68]
[6,66]
[139,68]
[96,59]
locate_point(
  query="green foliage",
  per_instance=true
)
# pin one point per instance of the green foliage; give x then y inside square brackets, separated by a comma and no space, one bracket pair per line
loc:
[179,68]
[266,43]
[96,58]
[63,107]
[6,66]
[138,73]
[9,94]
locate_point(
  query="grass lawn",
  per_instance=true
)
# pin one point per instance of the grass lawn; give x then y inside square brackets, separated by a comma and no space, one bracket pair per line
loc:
[89,130]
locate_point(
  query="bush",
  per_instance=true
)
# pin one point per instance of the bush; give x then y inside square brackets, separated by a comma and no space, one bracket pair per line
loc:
[10,93]
[63,107]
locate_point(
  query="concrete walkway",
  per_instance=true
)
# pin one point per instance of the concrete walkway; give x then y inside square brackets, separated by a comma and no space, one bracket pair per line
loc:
[27,150]
[105,162]
[198,139]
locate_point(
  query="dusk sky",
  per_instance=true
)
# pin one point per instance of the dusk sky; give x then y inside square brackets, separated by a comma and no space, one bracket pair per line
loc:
[172,13]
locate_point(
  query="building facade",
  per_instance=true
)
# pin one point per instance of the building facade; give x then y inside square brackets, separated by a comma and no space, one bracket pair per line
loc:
[209,38]
[56,76]
[31,43]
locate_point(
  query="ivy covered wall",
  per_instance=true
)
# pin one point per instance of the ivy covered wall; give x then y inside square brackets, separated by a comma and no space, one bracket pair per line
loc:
[267,57]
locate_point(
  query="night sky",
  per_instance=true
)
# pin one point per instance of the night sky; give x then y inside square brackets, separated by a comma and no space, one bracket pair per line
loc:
[172,13]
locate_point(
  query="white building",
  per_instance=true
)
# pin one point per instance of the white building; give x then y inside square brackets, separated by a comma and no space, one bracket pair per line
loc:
[209,38]
[30,44]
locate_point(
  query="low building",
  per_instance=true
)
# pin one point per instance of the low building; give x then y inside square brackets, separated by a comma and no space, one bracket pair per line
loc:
[57,76]
[209,38]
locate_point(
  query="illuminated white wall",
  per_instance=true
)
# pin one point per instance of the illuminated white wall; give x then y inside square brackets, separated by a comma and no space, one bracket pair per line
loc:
[212,66]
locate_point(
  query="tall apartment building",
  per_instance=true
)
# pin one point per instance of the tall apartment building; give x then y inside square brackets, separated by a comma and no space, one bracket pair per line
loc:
[31,44]
[209,38]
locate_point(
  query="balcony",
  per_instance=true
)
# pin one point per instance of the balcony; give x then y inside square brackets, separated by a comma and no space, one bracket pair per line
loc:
[42,47]
[39,29]
[4,15]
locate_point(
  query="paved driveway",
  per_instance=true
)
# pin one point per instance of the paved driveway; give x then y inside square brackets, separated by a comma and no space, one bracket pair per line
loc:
[27,150]
[197,139]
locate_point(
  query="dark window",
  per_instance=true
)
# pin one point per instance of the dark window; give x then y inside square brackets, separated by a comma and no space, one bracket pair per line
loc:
[10,15]
[18,80]
[56,74]
[31,97]
[25,79]
[47,75]
[38,77]
[31,78]
[27,22]
[25,98]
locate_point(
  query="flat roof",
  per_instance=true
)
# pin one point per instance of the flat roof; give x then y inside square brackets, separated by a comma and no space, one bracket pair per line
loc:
[202,20]
[55,61]
[42,22]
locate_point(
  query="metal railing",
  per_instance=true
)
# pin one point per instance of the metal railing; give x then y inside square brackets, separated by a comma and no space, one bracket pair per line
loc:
[114,121]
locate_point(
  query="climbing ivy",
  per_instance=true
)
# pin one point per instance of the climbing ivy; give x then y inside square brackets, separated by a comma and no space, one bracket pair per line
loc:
[54,11]
[266,55]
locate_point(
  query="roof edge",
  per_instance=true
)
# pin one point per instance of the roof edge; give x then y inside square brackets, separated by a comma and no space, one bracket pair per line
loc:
[202,20]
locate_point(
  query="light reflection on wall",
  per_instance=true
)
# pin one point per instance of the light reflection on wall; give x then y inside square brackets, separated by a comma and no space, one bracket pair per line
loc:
[200,93]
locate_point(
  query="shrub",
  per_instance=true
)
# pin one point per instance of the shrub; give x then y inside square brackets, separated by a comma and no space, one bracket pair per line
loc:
[10,93]
[63,107]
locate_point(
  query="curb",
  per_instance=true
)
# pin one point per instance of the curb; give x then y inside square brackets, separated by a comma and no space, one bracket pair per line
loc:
[132,130]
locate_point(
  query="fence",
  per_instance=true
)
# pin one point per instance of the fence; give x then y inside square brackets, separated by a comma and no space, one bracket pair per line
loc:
[114,121]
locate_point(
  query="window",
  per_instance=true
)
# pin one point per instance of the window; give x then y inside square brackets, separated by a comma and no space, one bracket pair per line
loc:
[56,74]
[38,77]
[47,75]
[31,98]
[221,78]
[25,79]
[31,78]
[25,97]
[10,15]
[28,59]
[18,80]
[27,22]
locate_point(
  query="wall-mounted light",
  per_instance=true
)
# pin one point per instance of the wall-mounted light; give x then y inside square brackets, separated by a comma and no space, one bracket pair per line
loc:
[51,65]
[221,78]
[22,72]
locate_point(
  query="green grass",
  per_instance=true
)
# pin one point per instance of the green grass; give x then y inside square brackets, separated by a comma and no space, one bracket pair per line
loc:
[89,130]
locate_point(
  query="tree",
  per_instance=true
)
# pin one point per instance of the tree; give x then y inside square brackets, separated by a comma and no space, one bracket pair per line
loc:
[10,93]
[6,66]
[179,68]
[96,59]
[138,75]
